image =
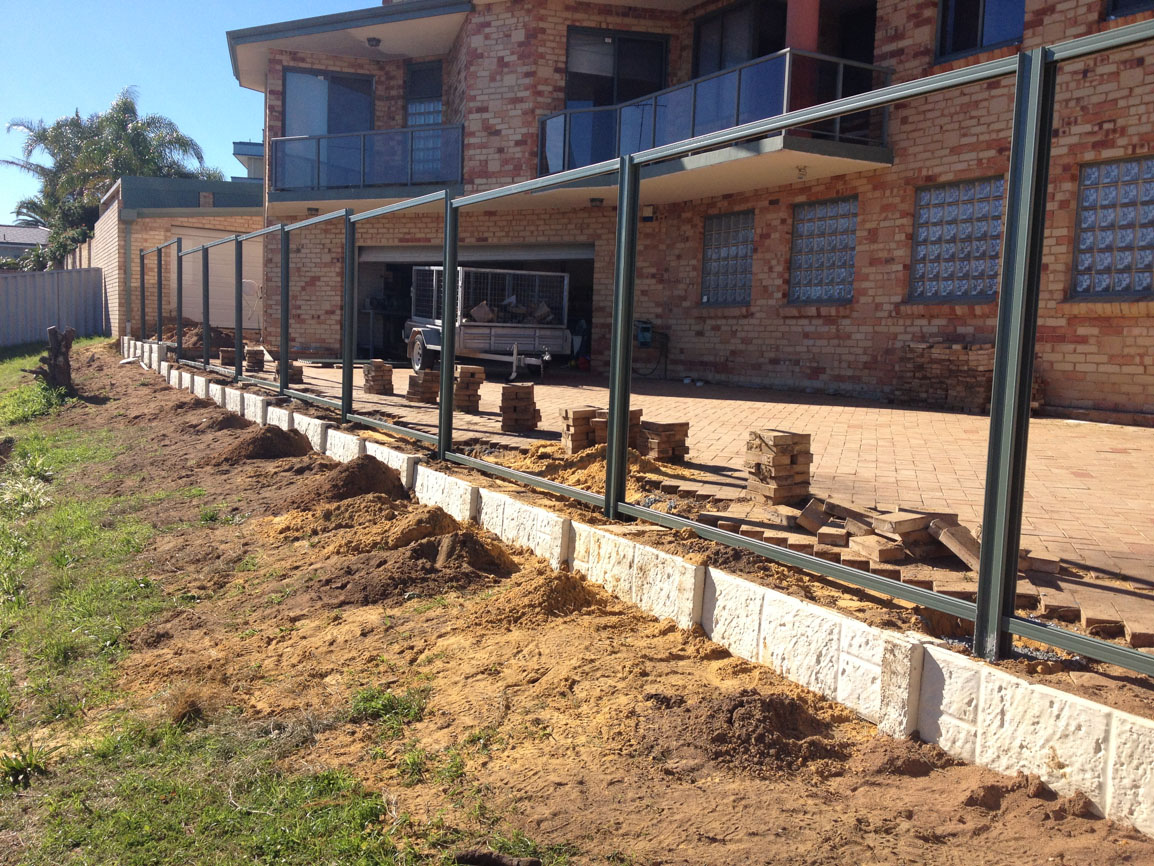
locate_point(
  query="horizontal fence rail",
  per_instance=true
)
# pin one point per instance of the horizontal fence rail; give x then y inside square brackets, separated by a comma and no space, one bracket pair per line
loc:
[33,301]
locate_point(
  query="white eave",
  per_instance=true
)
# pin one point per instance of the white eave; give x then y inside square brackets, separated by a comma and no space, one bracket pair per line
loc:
[411,28]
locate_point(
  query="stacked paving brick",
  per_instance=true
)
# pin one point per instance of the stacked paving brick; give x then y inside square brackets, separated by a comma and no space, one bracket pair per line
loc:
[227,357]
[519,413]
[378,378]
[778,463]
[954,376]
[667,442]
[467,391]
[424,387]
[254,360]
[296,374]
[601,429]
[577,429]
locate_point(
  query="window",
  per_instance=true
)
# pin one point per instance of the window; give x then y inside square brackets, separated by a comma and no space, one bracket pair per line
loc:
[822,254]
[1115,240]
[1118,8]
[607,68]
[736,35]
[727,260]
[324,103]
[957,241]
[966,26]
[423,103]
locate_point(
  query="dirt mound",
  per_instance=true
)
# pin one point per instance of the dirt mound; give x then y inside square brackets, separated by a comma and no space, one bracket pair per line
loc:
[264,443]
[586,470]
[357,478]
[457,561]
[762,735]
[361,525]
[535,596]
[884,756]
[220,421]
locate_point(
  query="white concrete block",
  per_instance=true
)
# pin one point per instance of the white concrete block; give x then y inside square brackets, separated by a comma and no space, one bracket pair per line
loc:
[185,381]
[491,510]
[667,586]
[164,368]
[200,387]
[345,447]
[279,416]
[216,393]
[316,430]
[948,701]
[731,612]
[525,525]
[405,464]
[606,559]
[457,497]
[255,407]
[801,642]
[174,376]
[234,401]
[1030,728]
[901,684]
[123,346]
[1130,795]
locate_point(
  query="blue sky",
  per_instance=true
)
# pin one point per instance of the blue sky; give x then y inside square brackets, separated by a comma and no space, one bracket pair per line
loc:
[63,55]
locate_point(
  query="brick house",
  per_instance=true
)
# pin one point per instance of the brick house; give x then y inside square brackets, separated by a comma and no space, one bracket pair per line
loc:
[799,261]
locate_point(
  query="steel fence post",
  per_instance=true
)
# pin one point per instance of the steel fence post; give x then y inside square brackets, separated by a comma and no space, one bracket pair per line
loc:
[348,318]
[1016,334]
[238,304]
[284,310]
[141,317]
[448,327]
[179,303]
[205,330]
[621,349]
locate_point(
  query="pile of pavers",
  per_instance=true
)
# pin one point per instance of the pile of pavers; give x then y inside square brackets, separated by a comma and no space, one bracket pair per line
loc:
[954,376]
[778,463]
[467,390]
[519,412]
[254,360]
[577,428]
[227,356]
[378,378]
[665,441]
[600,424]
[424,387]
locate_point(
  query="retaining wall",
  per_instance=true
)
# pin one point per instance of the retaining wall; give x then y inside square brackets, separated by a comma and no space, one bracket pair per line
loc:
[907,684]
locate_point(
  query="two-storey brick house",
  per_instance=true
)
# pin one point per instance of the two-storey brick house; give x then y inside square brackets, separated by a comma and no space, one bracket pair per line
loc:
[803,260]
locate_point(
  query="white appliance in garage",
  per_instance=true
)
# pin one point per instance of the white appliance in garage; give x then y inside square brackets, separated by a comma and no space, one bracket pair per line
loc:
[221,279]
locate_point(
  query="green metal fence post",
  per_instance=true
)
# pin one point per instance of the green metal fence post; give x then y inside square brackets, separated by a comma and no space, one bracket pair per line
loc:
[284,310]
[448,327]
[238,305]
[1014,354]
[160,296]
[621,349]
[205,329]
[348,318]
[179,303]
[141,317]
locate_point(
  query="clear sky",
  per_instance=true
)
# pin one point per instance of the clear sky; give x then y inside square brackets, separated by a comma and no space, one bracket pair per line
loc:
[62,55]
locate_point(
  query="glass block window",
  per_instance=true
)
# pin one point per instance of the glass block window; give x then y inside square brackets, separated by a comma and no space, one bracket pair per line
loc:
[727,260]
[822,254]
[1115,240]
[957,241]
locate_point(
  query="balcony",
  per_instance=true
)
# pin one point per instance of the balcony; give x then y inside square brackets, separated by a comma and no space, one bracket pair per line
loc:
[760,89]
[365,164]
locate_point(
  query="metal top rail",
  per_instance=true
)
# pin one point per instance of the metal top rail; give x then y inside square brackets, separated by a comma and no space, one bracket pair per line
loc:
[230,239]
[159,247]
[407,204]
[598,169]
[317,220]
[260,233]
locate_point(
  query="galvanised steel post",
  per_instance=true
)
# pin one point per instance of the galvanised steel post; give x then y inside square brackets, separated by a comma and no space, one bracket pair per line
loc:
[141,317]
[160,296]
[284,311]
[238,305]
[205,330]
[448,327]
[621,350]
[1014,355]
[179,303]
[349,317]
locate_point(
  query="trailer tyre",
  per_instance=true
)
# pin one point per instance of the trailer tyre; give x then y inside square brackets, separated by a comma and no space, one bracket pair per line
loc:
[423,357]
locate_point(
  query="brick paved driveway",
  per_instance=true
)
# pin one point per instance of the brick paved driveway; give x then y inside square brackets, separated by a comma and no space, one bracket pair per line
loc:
[1089,487]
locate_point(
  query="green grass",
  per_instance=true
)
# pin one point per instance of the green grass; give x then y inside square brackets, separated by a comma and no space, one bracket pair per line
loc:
[392,711]
[15,359]
[30,401]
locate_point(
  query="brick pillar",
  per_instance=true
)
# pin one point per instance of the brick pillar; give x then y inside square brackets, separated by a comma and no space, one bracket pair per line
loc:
[802,19]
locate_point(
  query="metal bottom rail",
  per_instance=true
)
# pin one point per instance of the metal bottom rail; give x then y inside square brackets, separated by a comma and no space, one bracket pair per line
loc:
[405,432]
[505,472]
[1071,641]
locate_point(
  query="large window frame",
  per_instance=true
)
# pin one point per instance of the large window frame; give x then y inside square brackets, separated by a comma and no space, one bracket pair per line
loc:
[943,53]
[419,102]
[658,38]
[836,245]
[759,17]
[728,257]
[1090,259]
[966,228]
[328,75]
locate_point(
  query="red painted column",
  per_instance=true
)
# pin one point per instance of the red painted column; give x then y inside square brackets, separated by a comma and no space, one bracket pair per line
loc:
[802,19]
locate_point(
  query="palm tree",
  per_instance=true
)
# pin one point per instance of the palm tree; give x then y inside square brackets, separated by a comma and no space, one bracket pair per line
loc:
[85,157]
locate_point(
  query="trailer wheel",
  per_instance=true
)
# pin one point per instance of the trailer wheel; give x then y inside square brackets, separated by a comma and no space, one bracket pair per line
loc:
[422,357]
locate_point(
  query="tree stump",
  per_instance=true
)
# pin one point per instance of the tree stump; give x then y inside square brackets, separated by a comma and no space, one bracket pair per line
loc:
[57,365]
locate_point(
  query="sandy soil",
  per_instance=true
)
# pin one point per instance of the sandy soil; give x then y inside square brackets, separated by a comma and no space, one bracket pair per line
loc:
[583,720]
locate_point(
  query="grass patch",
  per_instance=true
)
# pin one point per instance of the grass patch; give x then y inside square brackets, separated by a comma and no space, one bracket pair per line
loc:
[15,359]
[392,711]
[30,401]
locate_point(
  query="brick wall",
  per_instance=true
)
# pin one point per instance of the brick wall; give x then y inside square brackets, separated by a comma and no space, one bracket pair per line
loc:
[108,255]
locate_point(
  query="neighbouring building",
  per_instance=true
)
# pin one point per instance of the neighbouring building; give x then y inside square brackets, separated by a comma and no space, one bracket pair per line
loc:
[15,241]
[804,261]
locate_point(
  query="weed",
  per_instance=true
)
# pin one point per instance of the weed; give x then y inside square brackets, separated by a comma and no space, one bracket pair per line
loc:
[453,769]
[18,767]
[27,402]
[413,765]
[391,710]
[193,492]
[209,516]
[7,699]
[21,496]
[429,604]
[247,564]
[517,844]
[484,740]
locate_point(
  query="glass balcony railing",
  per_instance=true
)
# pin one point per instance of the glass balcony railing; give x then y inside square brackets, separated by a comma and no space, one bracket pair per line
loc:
[391,157]
[762,88]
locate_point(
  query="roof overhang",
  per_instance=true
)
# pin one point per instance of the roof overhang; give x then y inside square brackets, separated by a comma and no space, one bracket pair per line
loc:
[411,28]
